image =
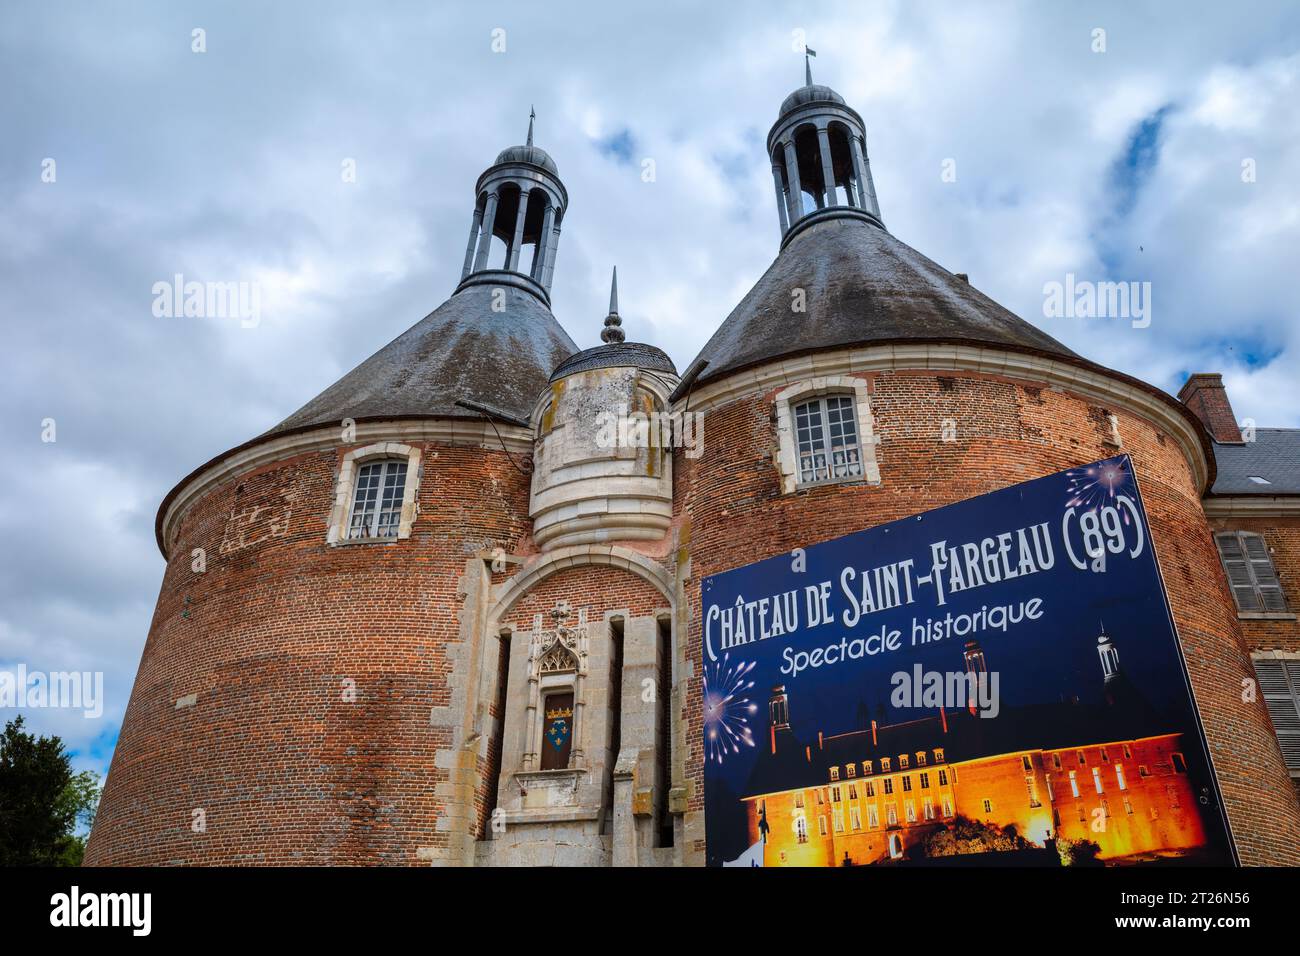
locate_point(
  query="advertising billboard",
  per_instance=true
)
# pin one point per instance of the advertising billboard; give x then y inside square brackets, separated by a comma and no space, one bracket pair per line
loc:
[993,682]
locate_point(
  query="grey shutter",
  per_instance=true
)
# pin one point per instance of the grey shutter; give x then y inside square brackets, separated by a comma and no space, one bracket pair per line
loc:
[1279,682]
[1261,567]
[1238,571]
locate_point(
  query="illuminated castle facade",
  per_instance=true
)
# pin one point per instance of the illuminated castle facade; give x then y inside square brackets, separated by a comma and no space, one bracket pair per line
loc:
[433,617]
[1050,772]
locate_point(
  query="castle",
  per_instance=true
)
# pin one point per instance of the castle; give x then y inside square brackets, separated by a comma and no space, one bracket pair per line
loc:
[437,616]
[1108,774]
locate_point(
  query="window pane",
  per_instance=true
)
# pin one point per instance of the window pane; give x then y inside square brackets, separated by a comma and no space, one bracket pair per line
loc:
[390,511]
[845,454]
[363,503]
[810,431]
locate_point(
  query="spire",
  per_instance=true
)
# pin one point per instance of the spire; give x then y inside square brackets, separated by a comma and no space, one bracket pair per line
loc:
[612,332]
[807,65]
[532,115]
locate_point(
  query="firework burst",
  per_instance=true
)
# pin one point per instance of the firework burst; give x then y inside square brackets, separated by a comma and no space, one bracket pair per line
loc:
[727,708]
[1097,485]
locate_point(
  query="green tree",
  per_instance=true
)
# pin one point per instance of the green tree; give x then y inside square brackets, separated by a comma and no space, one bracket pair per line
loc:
[41,800]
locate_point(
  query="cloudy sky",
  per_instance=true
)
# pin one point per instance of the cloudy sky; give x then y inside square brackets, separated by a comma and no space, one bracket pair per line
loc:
[226,166]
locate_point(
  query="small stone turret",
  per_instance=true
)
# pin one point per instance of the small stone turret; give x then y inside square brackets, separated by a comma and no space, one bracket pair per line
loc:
[603,460]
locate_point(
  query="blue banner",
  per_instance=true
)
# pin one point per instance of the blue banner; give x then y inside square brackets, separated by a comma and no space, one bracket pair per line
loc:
[993,682]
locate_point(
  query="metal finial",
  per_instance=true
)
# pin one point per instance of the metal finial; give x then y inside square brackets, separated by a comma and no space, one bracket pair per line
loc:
[532,115]
[807,65]
[612,332]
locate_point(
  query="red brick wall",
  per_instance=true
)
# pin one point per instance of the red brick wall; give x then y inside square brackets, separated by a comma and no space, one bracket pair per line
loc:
[285,769]
[1006,433]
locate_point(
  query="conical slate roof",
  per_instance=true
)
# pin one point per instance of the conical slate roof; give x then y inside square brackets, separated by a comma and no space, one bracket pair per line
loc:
[861,286]
[462,350]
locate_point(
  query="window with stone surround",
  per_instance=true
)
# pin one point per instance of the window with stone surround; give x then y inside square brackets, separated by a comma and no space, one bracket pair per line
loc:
[824,433]
[375,495]
[1251,575]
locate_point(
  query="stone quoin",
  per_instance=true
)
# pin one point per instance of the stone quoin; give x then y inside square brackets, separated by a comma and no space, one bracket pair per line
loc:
[440,622]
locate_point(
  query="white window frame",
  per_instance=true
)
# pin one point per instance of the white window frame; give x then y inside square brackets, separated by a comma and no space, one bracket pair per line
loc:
[1278,673]
[787,439]
[345,491]
[1252,576]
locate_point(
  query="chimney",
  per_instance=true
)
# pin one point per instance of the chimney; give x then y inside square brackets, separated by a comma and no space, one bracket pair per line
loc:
[1204,394]
[873,733]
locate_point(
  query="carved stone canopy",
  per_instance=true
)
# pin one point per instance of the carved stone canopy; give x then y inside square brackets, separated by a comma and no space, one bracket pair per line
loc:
[563,647]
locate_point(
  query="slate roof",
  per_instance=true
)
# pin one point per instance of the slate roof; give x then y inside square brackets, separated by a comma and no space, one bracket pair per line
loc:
[861,286]
[1274,455]
[615,355]
[462,350]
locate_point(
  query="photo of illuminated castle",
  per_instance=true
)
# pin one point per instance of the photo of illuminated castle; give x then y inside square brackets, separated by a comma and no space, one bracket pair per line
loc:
[1109,773]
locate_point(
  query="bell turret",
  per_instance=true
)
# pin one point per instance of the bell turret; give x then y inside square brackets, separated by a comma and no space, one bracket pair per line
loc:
[520,203]
[818,148]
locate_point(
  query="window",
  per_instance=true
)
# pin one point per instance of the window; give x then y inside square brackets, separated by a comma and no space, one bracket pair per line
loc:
[1031,788]
[902,761]
[1119,776]
[1143,771]
[377,501]
[1279,683]
[855,818]
[851,770]
[853,791]
[835,794]
[838,815]
[884,765]
[871,788]
[1128,806]
[920,758]
[988,806]
[1105,757]
[1027,762]
[938,755]
[801,829]
[821,797]
[1128,754]
[910,807]
[1074,783]
[827,433]
[925,781]
[891,814]
[1249,566]
[821,825]
[907,783]
[928,806]
[1096,778]
[835,773]
[889,785]
[1179,764]
[798,800]
[873,816]
[1051,794]
[866,768]
[943,778]
[947,808]
[1079,754]
[1056,761]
